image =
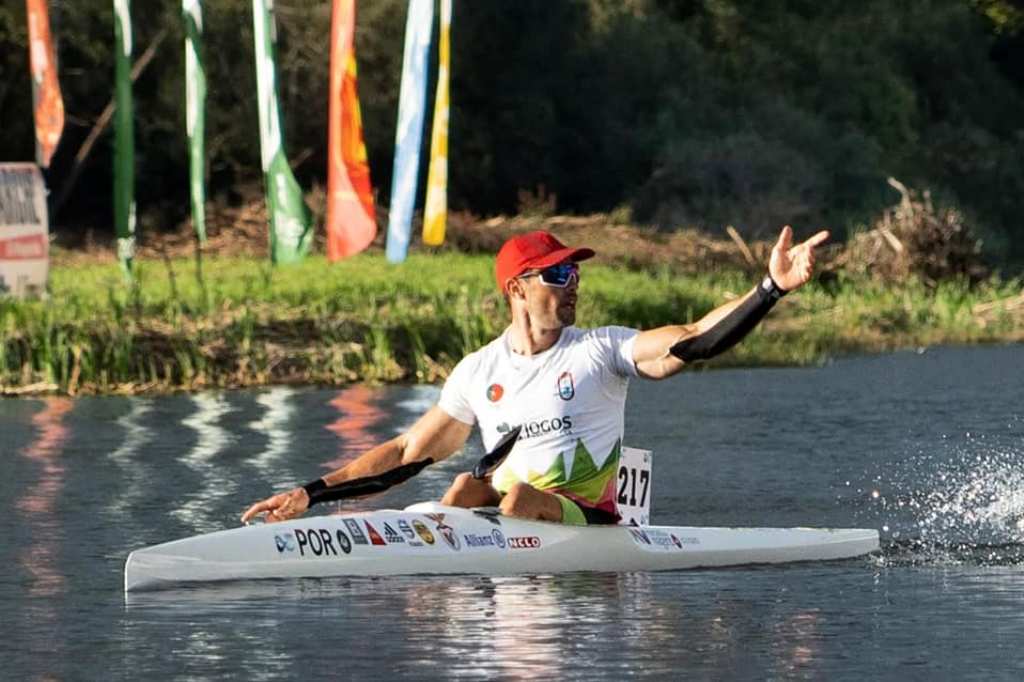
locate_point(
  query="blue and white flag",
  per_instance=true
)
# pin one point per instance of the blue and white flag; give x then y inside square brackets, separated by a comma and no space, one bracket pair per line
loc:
[409,133]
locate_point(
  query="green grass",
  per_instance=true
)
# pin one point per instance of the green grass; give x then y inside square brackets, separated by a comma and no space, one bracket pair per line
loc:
[364,319]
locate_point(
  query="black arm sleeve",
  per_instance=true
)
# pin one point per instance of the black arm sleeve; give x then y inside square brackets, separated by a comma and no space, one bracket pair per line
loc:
[731,329]
[319,491]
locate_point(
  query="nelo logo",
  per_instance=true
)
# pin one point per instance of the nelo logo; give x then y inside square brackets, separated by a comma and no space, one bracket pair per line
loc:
[494,392]
[524,542]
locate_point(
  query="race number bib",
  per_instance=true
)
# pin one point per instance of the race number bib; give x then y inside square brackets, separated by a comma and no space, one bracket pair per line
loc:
[633,487]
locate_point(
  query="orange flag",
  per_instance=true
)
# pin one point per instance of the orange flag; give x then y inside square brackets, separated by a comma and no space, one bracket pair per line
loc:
[351,219]
[49,111]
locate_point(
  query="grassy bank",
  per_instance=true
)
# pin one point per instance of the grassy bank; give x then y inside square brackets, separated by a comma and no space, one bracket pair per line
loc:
[243,323]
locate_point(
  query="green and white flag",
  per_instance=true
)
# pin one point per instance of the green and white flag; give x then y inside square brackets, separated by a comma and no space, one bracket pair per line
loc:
[124,133]
[195,113]
[290,220]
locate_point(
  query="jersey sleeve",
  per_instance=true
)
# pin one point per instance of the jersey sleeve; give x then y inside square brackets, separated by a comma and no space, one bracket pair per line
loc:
[615,345]
[454,395]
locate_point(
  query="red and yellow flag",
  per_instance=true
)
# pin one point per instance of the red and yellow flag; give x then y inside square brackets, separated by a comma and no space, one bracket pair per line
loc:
[351,218]
[49,107]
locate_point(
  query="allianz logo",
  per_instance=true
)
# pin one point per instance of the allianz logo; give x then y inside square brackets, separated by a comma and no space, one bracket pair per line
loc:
[541,427]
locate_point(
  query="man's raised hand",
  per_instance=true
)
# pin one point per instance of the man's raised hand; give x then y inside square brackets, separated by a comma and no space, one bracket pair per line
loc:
[791,266]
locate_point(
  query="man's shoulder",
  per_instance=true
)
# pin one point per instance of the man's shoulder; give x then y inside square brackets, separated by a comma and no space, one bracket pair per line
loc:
[601,334]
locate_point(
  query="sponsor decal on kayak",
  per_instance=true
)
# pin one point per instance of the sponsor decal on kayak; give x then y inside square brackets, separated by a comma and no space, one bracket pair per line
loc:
[639,536]
[661,539]
[495,539]
[566,388]
[285,543]
[524,542]
[375,537]
[316,542]
[424,532]
[446,531]
[406,529]
[499,539]
[391,535]
[357,533]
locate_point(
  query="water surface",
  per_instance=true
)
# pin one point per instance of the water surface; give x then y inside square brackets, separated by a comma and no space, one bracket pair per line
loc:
[928,447]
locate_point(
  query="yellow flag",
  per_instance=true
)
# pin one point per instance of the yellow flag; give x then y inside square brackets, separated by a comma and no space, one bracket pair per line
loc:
[436,211]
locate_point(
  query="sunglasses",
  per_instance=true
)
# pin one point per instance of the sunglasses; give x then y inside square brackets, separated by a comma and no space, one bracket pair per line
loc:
[560,275]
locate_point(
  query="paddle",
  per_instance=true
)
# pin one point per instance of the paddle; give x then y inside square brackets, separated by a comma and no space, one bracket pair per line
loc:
[493,459]
[371,485]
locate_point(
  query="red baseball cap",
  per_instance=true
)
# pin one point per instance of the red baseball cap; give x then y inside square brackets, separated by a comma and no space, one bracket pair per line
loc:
[533,250]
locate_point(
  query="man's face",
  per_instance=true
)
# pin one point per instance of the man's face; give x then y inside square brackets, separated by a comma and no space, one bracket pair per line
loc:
[551,306]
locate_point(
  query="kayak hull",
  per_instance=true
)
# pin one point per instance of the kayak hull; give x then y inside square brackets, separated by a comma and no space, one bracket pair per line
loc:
[430,538]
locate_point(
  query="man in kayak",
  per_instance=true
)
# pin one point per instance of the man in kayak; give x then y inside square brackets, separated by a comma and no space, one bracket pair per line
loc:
[564,386]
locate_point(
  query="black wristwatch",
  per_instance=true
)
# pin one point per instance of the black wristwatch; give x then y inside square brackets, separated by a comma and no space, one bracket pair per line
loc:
[773,290]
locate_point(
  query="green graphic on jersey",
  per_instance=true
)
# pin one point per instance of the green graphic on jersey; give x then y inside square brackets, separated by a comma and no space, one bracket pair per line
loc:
[587,482]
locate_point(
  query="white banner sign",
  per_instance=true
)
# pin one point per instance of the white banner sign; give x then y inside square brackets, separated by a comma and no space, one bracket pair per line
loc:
[633,487]
[24,231]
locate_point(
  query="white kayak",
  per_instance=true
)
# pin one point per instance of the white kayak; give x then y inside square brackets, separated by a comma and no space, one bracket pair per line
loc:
[430,538]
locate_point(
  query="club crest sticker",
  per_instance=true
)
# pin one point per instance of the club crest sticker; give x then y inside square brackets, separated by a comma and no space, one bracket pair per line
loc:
[424,532]
[566,388]
[446,531]
[494,392]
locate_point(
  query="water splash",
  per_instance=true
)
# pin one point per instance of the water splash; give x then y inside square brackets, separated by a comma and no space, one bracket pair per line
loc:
[964,507]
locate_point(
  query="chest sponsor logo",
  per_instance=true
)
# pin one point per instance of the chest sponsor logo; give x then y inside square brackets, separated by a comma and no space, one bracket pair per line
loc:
[541,427]
[424,532]
[566,387]
[375,537]
[524,542]
[391,535]
[494,392]
[314,542]
[357,533]
[499,539]
[446,531]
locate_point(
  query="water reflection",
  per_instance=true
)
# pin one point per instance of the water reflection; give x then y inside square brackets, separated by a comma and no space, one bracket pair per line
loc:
[211,485]
[37,504]
[133,467]
[574,626]
[357,427]
[278,413]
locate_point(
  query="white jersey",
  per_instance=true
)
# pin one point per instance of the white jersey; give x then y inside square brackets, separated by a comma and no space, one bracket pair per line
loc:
[570,400]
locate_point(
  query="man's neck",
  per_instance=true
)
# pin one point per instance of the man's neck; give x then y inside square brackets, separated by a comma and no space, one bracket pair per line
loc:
[526,339]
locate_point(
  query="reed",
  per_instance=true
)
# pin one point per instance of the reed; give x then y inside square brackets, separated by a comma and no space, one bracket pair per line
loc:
[244,323]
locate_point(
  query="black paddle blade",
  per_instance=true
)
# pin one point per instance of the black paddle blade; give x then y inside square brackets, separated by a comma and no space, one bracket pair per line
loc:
[489,462]
[371,484]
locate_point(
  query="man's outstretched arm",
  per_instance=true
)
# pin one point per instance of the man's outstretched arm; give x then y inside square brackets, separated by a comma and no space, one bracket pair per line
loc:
[660,353]
[436,435]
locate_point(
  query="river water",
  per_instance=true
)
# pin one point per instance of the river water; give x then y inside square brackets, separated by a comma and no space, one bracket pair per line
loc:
[927,446]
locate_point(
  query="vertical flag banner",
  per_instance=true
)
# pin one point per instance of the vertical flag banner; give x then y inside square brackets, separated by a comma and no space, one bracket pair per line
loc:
[351,218]
[195,113]
[124,133]
[411,103]
[49,107]
[290,219]
[436,212]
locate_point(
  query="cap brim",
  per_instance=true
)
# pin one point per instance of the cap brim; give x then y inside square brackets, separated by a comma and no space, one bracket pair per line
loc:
[575,255]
